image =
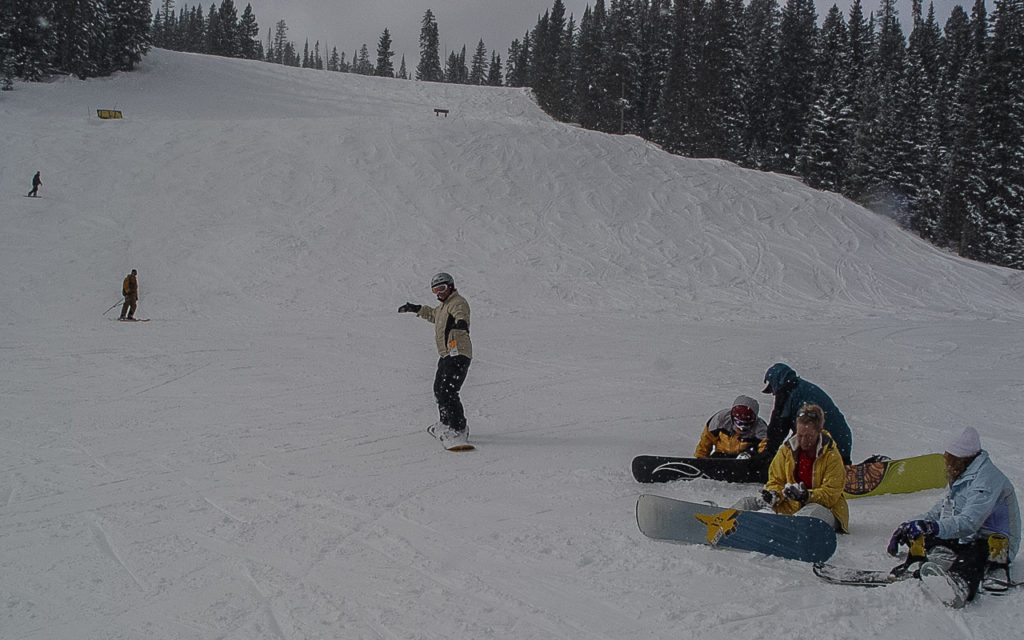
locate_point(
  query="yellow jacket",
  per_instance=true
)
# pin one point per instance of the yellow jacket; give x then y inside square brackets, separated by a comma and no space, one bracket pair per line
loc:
[829,479]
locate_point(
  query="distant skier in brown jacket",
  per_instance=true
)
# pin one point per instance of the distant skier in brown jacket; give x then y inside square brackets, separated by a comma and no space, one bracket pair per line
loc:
[130,291]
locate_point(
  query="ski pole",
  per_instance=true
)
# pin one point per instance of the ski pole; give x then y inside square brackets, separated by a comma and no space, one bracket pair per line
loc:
[111,307]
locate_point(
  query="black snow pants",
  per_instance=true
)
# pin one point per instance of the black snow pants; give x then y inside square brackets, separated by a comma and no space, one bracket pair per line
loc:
[451,373]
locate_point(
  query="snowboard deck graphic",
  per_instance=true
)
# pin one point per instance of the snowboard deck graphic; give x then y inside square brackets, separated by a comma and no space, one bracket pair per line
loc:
[906,475]
[872,477]
[461,446]
[648,469]
[794,537]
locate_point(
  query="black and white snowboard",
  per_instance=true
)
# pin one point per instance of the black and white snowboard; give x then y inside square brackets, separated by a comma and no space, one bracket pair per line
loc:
[458,443]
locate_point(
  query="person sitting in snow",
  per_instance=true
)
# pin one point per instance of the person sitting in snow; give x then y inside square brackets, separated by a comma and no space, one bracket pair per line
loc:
[733,433]
[791,393]
[807,476]
[972,535]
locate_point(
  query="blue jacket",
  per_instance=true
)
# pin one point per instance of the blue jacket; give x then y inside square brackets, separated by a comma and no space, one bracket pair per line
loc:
[981,502]
[792,392]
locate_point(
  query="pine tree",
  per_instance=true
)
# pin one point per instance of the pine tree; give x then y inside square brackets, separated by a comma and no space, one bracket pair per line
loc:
[429,67]
[125,34]
[676,130]
[228,41]
[761,29]
[478,66]
[248,34]
[719,116]
[995,225]
[31,52]
[796,71]
[403,73]
[362,64]
[385,67]
[590,99]
[280,42]
[823,155]
[923,116]
[456,71]
[655,49]
[494,71]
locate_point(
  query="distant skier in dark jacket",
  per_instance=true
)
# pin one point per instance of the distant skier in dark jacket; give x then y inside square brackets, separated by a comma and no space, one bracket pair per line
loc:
[792,392]
[36,183]
[130,291]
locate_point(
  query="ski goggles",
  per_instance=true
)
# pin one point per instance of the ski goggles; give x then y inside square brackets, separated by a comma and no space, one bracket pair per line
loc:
[743,417]
[440,288]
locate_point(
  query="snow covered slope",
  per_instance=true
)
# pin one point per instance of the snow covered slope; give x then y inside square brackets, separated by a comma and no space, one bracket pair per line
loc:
[252,463]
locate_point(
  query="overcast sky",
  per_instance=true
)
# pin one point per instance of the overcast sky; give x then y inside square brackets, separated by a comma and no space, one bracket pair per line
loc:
[348,24]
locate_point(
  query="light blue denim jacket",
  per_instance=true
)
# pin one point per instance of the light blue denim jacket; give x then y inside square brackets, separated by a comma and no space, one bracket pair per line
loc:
[981,502]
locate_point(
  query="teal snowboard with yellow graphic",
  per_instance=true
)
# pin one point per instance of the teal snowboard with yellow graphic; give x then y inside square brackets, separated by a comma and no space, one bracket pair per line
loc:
[795,537]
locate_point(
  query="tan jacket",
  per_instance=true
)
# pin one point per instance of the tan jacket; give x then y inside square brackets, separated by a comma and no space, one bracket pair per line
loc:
[451,311]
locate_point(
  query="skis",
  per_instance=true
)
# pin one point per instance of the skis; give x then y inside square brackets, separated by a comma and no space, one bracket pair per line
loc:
[450,443]
[880,578]
[859,577]
[794,537]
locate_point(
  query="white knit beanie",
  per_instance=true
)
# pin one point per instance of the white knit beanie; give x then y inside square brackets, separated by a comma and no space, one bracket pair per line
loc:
[965,444]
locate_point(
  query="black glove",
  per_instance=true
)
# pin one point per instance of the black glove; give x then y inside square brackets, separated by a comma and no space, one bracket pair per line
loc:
[769,497]
[409,307]
[796,491]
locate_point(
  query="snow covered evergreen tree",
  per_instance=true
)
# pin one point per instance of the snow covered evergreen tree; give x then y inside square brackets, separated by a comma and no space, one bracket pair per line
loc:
[761,29]
[823,154]
[796,72]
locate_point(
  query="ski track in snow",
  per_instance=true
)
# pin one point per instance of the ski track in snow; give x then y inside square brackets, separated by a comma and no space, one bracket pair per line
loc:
[252,463]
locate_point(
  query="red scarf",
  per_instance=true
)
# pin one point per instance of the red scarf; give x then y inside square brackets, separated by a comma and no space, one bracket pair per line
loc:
[805,467]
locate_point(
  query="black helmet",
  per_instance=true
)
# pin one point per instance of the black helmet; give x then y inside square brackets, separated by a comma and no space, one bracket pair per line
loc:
[442,278]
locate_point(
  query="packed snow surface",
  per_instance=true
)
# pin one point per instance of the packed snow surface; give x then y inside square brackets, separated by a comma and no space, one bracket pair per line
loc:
[252,464]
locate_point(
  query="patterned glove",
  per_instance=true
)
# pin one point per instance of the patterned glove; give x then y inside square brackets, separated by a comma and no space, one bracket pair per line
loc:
[918,528]
[910,530]
[796,491]
[899,537]
[769,497]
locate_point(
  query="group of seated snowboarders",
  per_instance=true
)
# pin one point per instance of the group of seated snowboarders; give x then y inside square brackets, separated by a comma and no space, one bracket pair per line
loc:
[965,542]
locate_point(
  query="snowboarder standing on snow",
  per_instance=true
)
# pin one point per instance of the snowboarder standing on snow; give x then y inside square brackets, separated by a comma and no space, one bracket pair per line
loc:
[451,334]
[735,432]
[130,291]
[791,393]
[36,183]
[807,476]
[970,537]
